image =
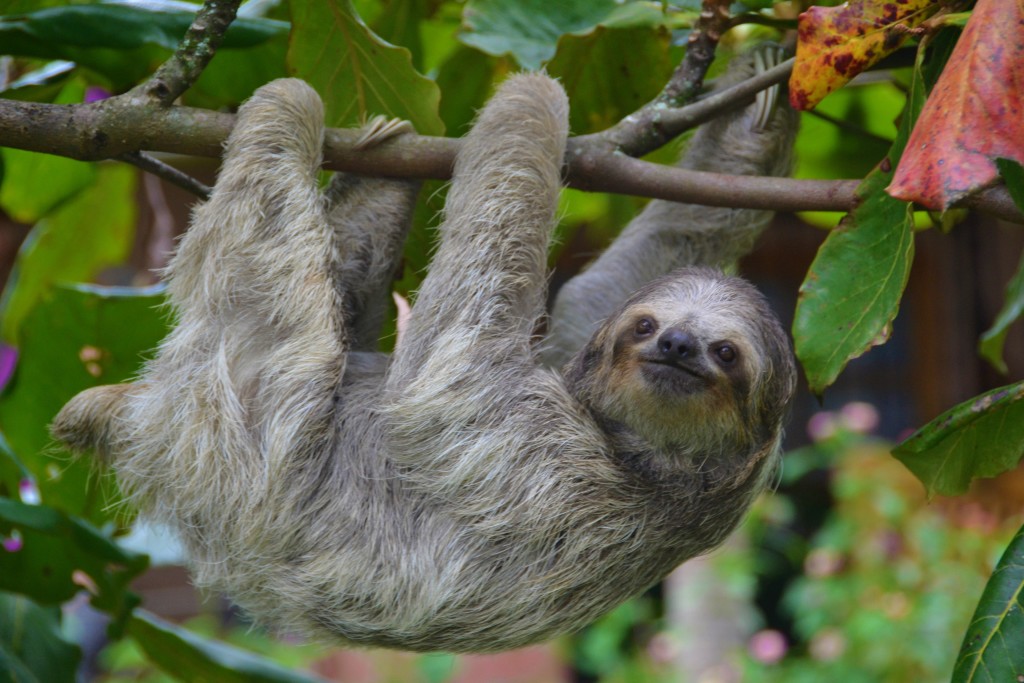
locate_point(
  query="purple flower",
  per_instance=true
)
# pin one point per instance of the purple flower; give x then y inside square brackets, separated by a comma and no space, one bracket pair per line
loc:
[8,360]
[94,93]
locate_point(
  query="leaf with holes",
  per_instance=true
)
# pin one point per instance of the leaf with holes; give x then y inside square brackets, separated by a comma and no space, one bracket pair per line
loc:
[837,43]
[974,113]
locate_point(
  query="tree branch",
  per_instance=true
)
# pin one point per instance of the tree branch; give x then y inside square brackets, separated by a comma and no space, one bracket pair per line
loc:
[111,128]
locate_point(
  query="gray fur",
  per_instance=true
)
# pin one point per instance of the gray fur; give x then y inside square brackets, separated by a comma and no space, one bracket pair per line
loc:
[458,496]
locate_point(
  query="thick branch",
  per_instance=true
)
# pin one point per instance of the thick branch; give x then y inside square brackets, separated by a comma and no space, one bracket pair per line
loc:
[109,129]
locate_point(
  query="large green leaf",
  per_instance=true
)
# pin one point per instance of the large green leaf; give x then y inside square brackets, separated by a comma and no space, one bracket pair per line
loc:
[853,288]
[33,183]
[124,43]
[58,552]
[609,73]
[466,80]
[991,346]
[92,231]
[31,645]
[73,339]
[356,73]
[529,29]
[235,74]
[979,438]
[119,27]
[993,647]
[189,657]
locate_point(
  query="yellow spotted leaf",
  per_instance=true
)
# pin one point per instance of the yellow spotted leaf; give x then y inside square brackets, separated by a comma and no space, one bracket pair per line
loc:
[837,43]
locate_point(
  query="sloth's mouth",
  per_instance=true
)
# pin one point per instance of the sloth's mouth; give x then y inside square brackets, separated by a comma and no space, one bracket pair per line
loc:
[674,376]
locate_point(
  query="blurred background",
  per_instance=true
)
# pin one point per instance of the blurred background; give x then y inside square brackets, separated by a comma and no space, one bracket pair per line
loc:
[845,572]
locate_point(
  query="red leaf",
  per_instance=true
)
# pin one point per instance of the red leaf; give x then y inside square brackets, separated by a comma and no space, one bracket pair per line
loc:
[973,115]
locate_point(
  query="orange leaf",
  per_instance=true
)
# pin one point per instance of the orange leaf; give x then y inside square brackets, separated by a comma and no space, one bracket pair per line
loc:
[837,43]
[973,115]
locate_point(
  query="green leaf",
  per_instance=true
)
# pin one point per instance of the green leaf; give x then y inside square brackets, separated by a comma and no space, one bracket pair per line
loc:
[853,288]
[529,29]
[189,657]
[993,647]
[400,24]
[123,43]
[34,183]
[57,550]
[356,73]
[978,438]
[92,231]
[73,339]
[235,74]
[31,645]
[1013,175]
[610,73]
[119,27]
[993,340]
[466,80]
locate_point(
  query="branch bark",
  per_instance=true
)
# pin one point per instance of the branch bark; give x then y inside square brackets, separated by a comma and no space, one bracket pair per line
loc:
[110,128]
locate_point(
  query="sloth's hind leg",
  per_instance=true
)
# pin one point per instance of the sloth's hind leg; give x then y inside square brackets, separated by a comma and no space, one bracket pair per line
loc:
[371,218]
[258,333]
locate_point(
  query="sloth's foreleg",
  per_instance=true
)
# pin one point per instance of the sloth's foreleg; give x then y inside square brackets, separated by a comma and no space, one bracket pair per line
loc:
[756,140]
[486,284]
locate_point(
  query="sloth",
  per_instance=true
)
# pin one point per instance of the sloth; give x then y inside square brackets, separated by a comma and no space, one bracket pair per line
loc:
[460,494]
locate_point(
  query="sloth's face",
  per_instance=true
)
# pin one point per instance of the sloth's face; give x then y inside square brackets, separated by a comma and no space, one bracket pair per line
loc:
[695,356]
[673,357]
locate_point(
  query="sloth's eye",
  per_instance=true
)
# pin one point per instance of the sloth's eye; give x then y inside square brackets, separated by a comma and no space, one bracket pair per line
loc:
[726,354]
[644,327]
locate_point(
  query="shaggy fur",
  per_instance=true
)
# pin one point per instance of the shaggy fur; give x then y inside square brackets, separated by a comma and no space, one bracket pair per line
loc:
[459,495]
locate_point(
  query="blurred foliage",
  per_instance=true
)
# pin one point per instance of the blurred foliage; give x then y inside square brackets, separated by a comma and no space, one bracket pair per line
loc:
[880,563]
[887,586]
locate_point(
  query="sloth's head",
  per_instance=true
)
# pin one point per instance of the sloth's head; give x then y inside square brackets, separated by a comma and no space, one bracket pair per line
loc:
[695,362]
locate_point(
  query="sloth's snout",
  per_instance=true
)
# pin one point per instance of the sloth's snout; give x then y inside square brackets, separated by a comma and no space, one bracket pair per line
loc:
[677,345]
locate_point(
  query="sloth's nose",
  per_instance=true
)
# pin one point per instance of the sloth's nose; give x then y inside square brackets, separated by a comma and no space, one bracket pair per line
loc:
[677,344]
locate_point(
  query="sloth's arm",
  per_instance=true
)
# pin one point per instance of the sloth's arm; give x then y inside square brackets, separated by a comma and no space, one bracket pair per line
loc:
[486,285]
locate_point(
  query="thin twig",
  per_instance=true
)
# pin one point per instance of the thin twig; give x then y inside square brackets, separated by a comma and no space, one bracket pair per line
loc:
[172,175]
[688,78]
